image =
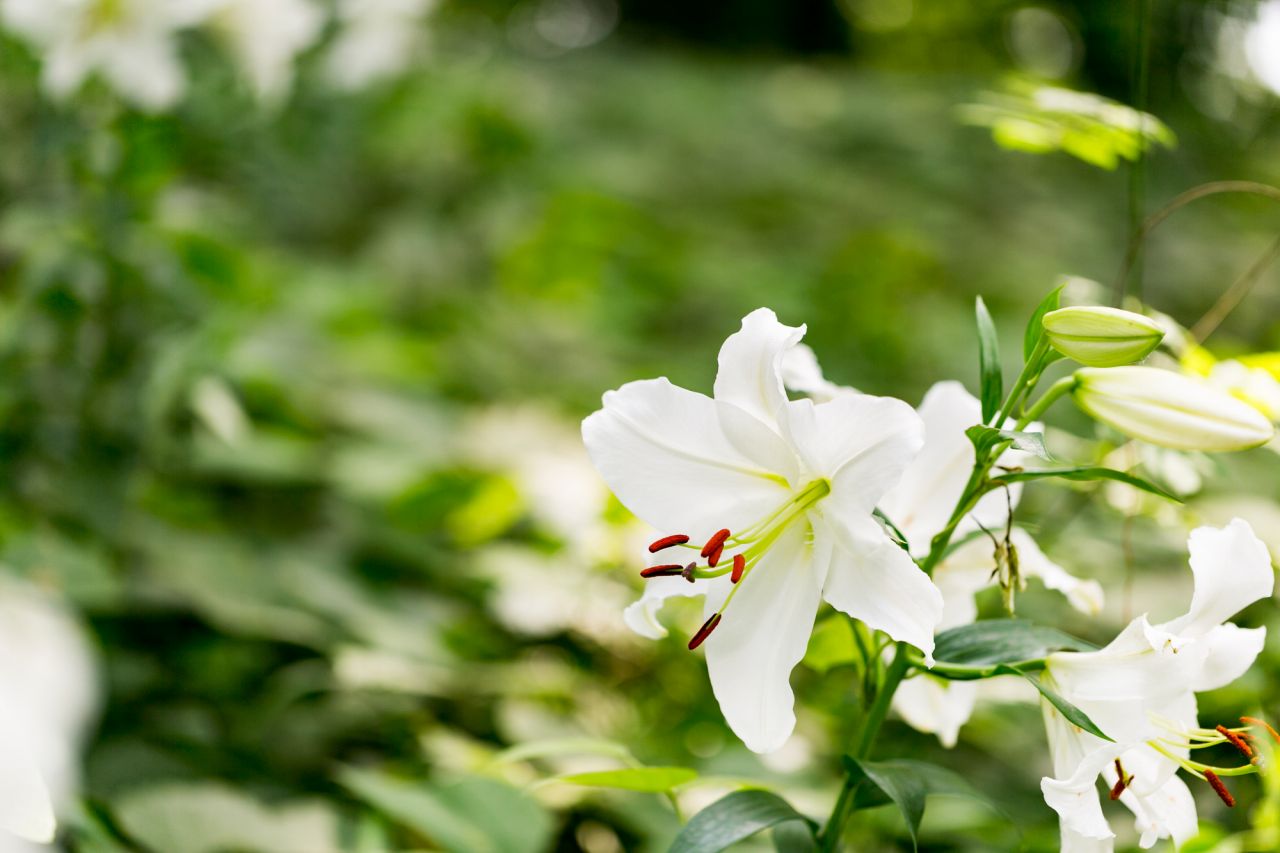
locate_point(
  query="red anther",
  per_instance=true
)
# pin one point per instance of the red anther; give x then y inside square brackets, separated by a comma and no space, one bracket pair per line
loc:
[704,631]
[667,542]
[661,571]
[1220,789]
[1254,721]
[1236,741]
[1121,782]
[716,541]
[714,557]
[739,566]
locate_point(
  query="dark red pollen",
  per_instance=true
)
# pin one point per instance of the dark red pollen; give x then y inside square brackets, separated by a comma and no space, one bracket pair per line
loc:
[739,566]
[661,571]
[716,541]
[704,631]
[714,556]
[1220,789]
[667,542]
[1254,721]
[1236,741]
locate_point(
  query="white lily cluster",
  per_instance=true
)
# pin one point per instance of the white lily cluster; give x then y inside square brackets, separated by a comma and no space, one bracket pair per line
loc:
[134,45]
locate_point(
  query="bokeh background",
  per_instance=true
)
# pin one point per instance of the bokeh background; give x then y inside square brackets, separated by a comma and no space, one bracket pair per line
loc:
[303,549]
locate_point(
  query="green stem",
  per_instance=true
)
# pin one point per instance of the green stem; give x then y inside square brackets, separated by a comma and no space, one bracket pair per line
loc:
[1025,382]
[1056,390]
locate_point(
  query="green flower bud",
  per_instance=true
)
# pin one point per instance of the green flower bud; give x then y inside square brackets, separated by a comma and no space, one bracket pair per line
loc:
[1169,409]
[1101,337]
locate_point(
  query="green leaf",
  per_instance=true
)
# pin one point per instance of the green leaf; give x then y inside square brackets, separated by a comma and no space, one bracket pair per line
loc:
[471,814]
[1034,328]
[831,644]
[986,644]
[732,818]
[1084,473]
[562,746]
[654,780]
[1073,714]
[905,783]
[992,384]
[984,438]
[794,836]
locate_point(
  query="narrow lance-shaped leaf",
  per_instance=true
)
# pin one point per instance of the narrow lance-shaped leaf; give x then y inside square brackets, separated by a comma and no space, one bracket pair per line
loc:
[1085,473]
[1034,326]
[976,650]
[732,818]
[1073,714]
[992,381]
[654,780]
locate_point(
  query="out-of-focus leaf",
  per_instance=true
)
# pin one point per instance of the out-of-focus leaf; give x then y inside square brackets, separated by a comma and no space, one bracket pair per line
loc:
[731,819]
[471,814]
[992,384]
[794,836]
[831,644]
[209,817]
[984,438]
[562,746]
[905,783]
[654,780]
[1068,710]
[1085,473]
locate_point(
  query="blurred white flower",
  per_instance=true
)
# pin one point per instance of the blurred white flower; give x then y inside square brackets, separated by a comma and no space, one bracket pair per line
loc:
[48,699]
[266,36]
[130,43]
[377,40]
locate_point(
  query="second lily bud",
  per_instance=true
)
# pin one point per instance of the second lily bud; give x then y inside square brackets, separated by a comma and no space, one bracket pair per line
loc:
[1097,336]
[1169,409]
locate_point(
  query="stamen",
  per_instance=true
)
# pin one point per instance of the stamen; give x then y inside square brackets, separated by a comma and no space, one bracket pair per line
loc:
[714,557]
[1220,789]
[739,566]
[704,631]
[1236,741]
[1122,782]
[662,571]
[667,542]
[716,541]
[1254,721]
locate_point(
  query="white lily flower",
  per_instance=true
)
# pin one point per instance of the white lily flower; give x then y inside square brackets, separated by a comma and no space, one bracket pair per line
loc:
[129,42]
[782,492]
[377,40]
[266,36]
[1140,690]
[920,505]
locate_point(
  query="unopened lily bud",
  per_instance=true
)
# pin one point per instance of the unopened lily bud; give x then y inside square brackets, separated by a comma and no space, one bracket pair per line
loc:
[1169,409]
[1097,336]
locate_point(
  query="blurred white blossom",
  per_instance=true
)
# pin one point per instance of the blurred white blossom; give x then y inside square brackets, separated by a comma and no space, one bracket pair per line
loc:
[266,37]
[377,40]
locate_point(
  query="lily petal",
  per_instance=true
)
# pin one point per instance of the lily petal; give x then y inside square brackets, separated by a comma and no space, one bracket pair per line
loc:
[1230,651]
[762,637]
[1084,595]
[750,374]
[874,580]
[663,452]
[1232,570]
[1170,812]
[25,806]
[1075,798]
[801,372]
[642,615]
[935,706]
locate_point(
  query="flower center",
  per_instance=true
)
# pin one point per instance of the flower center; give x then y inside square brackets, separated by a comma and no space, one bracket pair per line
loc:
[1242,738]
[744,549]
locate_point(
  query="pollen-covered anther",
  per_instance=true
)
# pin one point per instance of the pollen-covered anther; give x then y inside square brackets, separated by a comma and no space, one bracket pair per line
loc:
[716,541]
[1122,782]
[1254,721]
[714,556]
[1236,740]
[667,542]
[704,631]
[662,571]
[739,566]
[1220,789]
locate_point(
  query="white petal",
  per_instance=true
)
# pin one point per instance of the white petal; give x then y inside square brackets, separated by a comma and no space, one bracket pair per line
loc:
[758,442]
[1169,812]
[25,807]
[1084,595]
[663,452]
[750,375]
[1231,650]
[860,443]
[800,372]
[762,637]
[1232,570]
[642,615]
[874,580]
[1075,798]
[935,706]
[960,576]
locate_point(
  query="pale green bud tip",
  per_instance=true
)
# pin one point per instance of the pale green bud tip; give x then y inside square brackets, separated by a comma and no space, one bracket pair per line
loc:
[1097,336]
[1169,409]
